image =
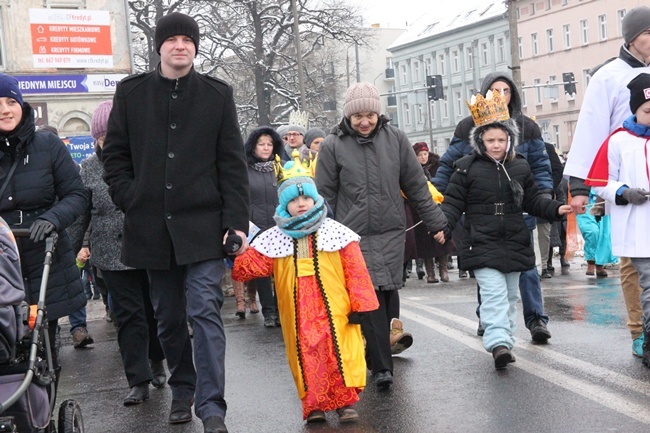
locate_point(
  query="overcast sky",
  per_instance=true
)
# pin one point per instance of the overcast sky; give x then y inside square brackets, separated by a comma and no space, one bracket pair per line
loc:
[396,13]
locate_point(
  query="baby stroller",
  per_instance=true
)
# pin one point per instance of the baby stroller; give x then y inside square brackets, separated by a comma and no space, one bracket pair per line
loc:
[27,375]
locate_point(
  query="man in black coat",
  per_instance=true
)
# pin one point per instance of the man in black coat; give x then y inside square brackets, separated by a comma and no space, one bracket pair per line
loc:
[174,163]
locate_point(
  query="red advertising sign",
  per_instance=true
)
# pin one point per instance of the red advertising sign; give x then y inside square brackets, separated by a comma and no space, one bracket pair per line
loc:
[73,38]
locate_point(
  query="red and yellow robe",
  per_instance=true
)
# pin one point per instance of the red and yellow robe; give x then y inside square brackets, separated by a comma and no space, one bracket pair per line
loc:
[315,296]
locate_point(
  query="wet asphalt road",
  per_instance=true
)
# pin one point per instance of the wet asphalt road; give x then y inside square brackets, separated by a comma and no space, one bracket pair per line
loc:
[584,380]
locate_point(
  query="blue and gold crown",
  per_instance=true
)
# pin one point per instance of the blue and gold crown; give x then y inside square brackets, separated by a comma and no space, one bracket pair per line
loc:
[293,168]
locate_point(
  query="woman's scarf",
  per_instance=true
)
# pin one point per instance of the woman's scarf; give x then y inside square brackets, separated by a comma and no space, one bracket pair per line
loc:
[301,225]
[264,167]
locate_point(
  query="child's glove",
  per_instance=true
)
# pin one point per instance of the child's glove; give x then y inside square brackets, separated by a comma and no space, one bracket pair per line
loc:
[357,317]
[635,195]
[233,242]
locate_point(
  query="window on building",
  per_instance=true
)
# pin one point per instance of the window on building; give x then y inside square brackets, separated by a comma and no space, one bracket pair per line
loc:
[532,8]
[556,135]
[416,70]
[419,114]
[455,65]
[517,14]
[620,14]
[485,60]
[429,66]
[442,70]
[602,27]
[566,30]
[538,91]
[564,2]
[585,79]
[552,79]
[432,110]
[470,57]
[403,74]
[459,103]
[524,101]
[533,43]
[520,44]
[406,113]
[549,40]
[548,4]
[584,32]
[501,50]
[2,41]
[445,109]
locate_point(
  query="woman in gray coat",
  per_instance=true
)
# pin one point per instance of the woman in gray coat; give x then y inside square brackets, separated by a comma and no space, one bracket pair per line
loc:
[363,166]
[128,288]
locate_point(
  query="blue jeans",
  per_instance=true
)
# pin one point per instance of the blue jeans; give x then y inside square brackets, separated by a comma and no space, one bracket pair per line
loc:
[77,319]
[530,288]
[499,295]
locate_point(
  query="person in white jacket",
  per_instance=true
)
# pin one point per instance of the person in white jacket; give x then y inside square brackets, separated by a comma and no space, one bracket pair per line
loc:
[604,108]
[623,158]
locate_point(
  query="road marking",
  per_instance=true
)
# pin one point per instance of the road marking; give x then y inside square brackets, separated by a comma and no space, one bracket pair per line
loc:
[596,393]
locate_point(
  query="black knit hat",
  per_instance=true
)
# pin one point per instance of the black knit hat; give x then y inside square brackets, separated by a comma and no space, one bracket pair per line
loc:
[639,91]
[174,24]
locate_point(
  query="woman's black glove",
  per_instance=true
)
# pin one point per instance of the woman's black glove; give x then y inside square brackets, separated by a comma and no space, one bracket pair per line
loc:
[357,317]
[40,229]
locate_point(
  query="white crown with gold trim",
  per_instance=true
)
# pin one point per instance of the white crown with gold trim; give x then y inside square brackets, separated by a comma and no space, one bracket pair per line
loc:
[299,118]
[488,109]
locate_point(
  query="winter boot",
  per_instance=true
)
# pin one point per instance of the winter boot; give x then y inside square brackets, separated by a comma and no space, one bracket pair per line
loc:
[419,268]
[399,340]
[238,286]
[591,267]
[252,303]
[600,271]
[442,268]
[431,270]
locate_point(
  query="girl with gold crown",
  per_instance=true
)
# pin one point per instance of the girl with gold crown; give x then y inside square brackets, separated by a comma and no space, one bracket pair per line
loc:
[493,186]
[323,290]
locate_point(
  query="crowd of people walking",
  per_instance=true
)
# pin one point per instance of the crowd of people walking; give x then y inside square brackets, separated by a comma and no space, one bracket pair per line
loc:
[322,225]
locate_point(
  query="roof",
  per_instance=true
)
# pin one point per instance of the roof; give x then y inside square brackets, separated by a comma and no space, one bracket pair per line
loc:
[437,22]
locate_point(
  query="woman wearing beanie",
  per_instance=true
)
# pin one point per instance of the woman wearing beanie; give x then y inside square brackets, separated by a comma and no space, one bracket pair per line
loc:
[313,139]
[262,146]
[128,288]
[40,189]
[324,292]
[362,167]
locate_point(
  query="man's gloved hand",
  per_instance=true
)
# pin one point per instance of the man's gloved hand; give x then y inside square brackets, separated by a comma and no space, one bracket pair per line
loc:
[40,229]
[635,195]
[357,317]
[233,242]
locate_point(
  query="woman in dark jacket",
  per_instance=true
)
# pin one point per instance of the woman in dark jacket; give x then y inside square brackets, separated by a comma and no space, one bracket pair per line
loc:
[44,194]
[493,186]
[137,337]
[263,144]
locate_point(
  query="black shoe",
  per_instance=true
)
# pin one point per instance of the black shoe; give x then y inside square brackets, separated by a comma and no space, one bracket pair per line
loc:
[419,268]
[214,424]
[462,274]
[564,263]
[277,322]
[502,357]
[181,411]
[550,267]
[383,380]
[269,322]
[539,332]
[546,273]
[645,358]
[480,331]
[471,274]
[137,395]
[159,375]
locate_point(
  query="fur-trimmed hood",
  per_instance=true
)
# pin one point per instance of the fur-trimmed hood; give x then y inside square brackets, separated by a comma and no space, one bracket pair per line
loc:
[249,146]
[509,126]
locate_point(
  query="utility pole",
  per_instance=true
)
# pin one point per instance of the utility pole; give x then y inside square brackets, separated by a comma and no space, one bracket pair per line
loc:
[296,41]
[514,43]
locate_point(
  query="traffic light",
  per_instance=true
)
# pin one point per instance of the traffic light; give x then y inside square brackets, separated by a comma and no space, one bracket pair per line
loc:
[569,83]
[434,87]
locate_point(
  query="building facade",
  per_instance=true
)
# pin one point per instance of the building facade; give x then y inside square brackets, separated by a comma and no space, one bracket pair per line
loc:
[68,56]
[462,48]
[557,37]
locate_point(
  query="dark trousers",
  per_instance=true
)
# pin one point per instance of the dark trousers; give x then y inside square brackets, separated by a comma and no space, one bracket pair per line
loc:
[192,291]
[266,293]
[376,330]
[137,333]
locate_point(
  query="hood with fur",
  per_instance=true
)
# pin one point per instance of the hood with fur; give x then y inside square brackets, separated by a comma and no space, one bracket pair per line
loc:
[249,146]
[509,126]
[515,100]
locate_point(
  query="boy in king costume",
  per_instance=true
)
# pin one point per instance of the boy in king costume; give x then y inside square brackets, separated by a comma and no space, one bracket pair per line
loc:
[323,290]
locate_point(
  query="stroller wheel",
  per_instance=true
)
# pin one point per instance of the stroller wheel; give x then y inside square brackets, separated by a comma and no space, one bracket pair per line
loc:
[70,419]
